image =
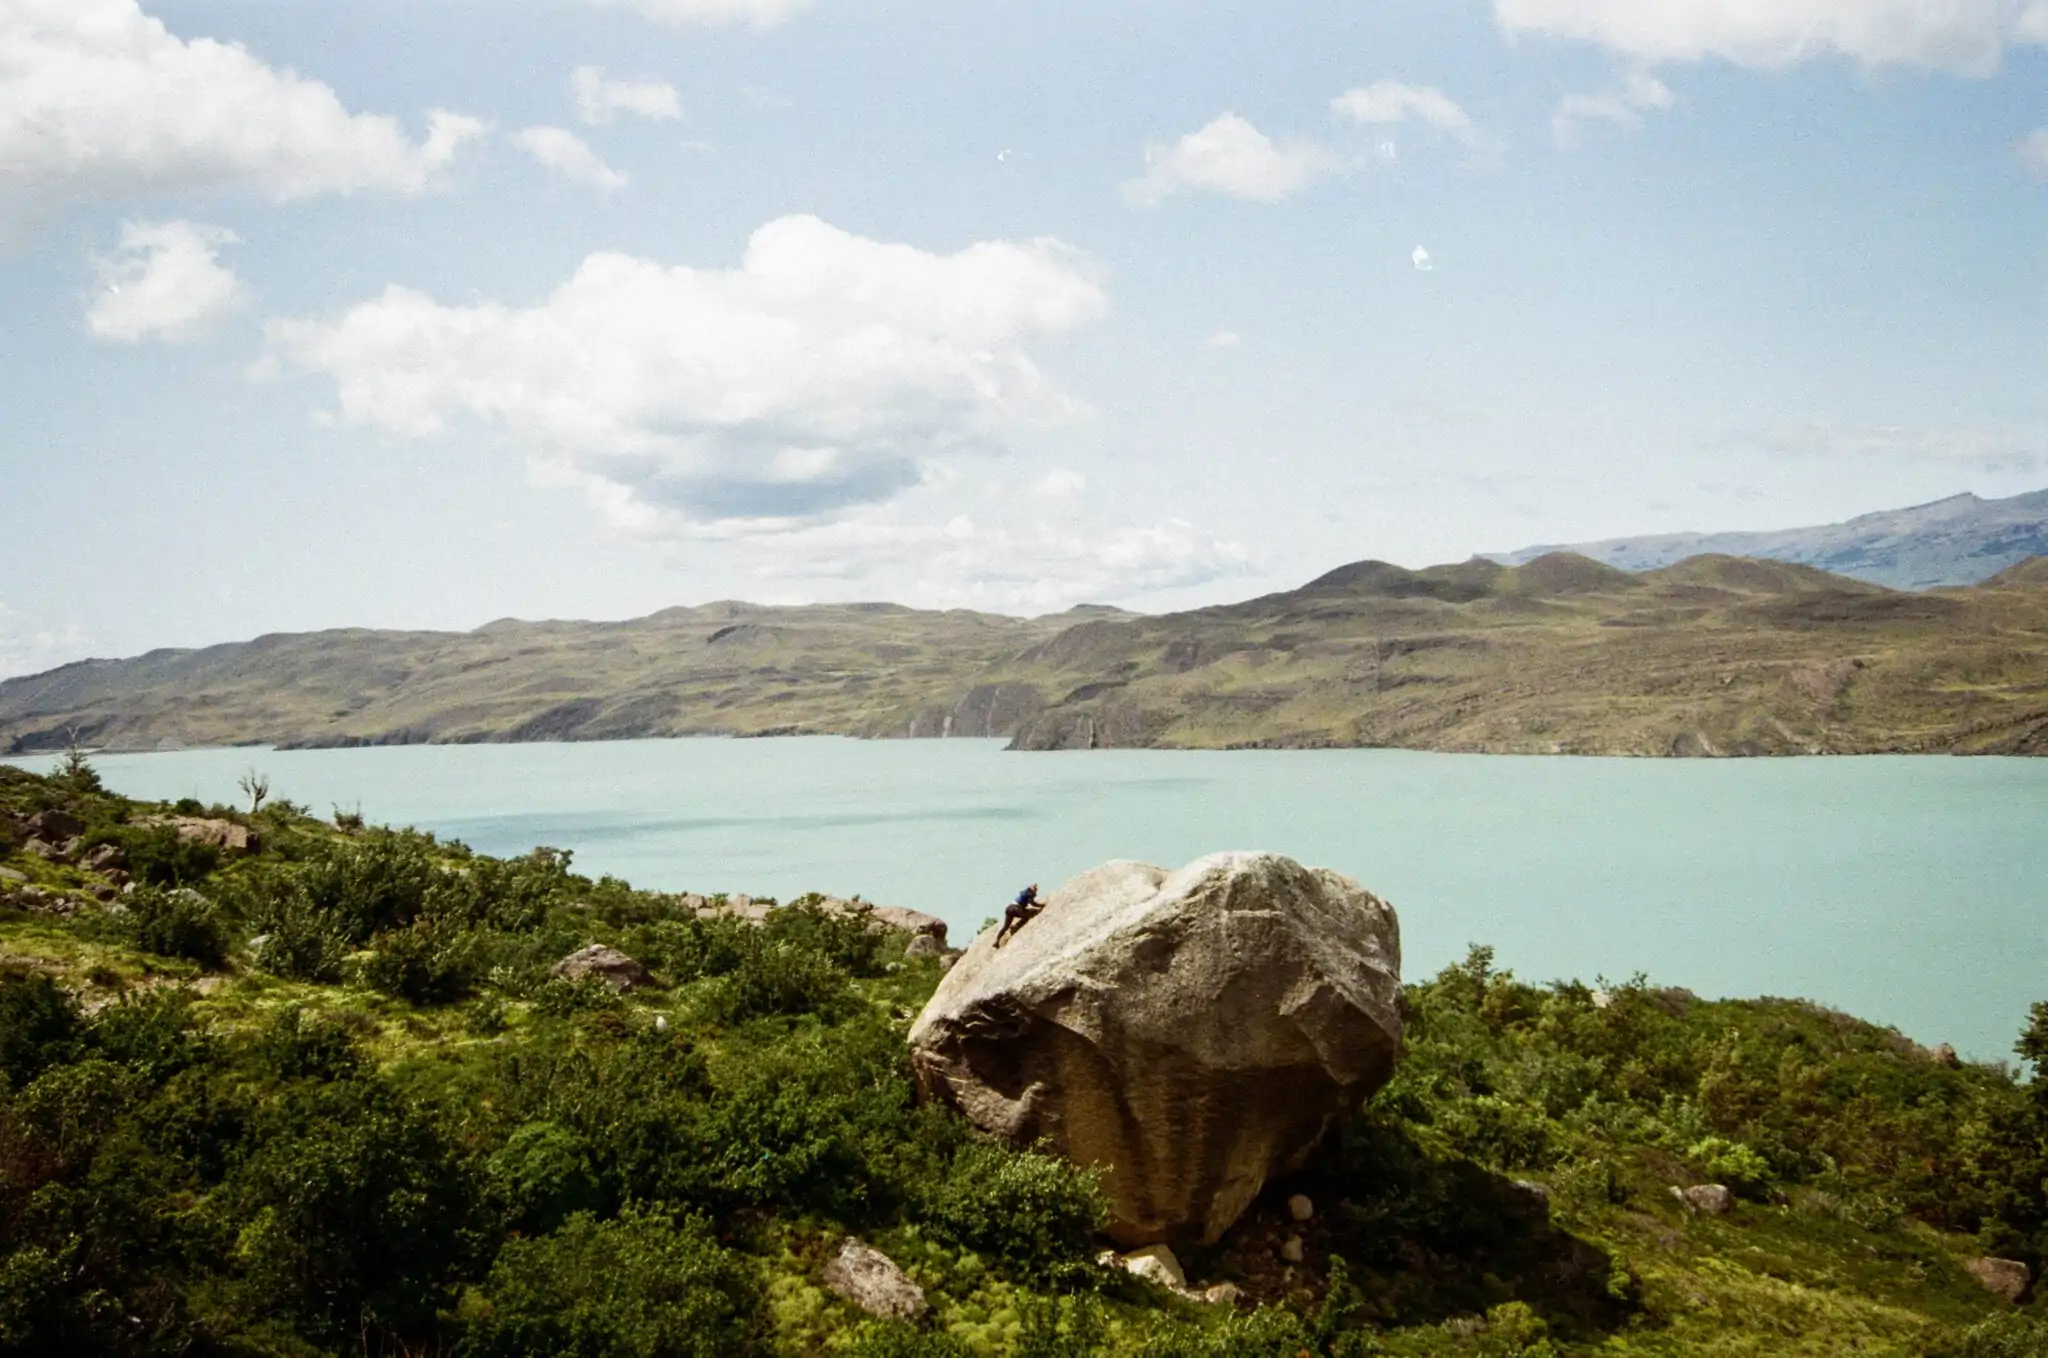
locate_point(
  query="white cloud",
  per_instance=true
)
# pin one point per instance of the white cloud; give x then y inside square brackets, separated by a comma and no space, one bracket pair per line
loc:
[1059,484]
[1639,94]
[1420,259]
[1387,102]
[1230,157]
[1036,566]
[2033,150]
[1981,447]
[1967,37]
[100,102]
[711,13]
[1223,339]
[598,100]
[821,373]
[569,155]
[29,648]
[167,283]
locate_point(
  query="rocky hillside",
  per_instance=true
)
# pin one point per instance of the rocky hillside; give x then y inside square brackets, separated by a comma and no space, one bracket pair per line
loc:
[1957,541]
[1715,655]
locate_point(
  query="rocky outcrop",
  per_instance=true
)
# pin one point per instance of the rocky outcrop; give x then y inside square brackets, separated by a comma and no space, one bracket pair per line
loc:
[2007,1278]
[1191,1033]
[744,907]
[871,1280]
[225,835]
[609,965]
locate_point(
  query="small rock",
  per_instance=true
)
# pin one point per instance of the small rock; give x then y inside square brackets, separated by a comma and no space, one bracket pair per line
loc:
[55,826]
[1945,1055]
[105,893]
[43,849]
[10,877]
[1300,1208]
[616,969]
[1155,1263]
[1534,1190]
[924,945]
[1712,1200]
[2006,1277]
[661,1023]
[1290,1249]
[106,858]
[870,1280]
[1223,1294]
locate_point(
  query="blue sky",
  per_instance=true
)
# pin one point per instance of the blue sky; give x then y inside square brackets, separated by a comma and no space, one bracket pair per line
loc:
[419,313]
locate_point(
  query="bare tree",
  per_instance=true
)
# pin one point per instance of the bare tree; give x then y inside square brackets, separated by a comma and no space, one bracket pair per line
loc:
[255,786]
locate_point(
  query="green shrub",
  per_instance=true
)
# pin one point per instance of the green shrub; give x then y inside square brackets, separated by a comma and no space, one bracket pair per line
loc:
[295,939]
[2008,1336]
[295,1045]
[563,997]
[178,923]
[38,1024]
[896,1339]
[1731,1163]
[543,1176]
[850,942]
[428,962]
[637,1287]
[775,976]
[1037,1213]
[157,856]
[352,1214]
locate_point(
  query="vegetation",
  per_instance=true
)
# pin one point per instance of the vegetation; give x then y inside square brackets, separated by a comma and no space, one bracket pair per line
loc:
[328,1098]
[1714,655]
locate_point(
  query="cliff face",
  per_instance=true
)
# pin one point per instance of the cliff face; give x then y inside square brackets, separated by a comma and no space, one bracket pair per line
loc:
[1562,655]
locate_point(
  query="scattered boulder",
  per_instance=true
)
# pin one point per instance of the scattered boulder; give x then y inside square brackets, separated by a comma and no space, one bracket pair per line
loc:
[9,877]
[2008,1278]
[1192,1033]
[924,945]
[1291,1249]
[744,907]
[48,852]
[1300,1208]
[1713,1200]
[1155,1264]
[871,1280]
[106,858]
[1223,1294]
[54,826]
[225,835]
[609,965]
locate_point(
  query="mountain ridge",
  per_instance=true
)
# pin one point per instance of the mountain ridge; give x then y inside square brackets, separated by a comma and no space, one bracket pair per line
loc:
[1714,655]
[1959,540]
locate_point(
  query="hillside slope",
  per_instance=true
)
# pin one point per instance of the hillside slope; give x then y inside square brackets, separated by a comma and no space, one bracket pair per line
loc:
[1563,655]
[1957,541]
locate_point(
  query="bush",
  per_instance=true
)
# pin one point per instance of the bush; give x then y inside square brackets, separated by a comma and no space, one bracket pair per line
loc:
[896,1339]
[775,976]
[157,856]
[178,923]
[428,962]
[294,1045]
[1731,1163]
[1037,1213]
[2007,1336]
[38,1025]
[637,1287]
[295,940]
[543,1176]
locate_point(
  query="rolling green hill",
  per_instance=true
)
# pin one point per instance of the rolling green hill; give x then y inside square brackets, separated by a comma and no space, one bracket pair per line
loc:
[1714,655]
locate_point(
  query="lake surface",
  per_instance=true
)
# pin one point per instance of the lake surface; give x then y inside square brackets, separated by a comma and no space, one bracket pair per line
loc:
[1911,891]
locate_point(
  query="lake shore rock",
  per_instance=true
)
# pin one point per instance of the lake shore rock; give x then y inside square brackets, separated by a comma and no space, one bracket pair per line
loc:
[1191,1033]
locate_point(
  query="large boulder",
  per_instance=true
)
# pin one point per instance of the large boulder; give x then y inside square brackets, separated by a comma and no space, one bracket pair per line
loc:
[1190,1033]
[609,965]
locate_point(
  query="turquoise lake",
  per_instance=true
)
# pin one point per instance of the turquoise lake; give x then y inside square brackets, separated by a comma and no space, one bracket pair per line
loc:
[1911,891]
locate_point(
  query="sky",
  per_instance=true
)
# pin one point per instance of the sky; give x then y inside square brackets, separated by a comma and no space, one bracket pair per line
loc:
[423,313]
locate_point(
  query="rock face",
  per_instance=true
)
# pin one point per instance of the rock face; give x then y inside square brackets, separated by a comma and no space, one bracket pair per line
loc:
[2006,1277]
[1191,1033]
[871,1280]
[613,967]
